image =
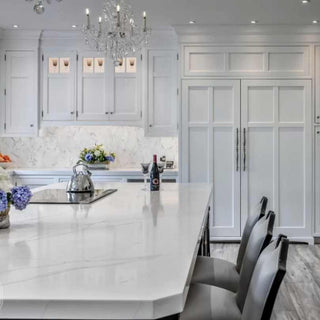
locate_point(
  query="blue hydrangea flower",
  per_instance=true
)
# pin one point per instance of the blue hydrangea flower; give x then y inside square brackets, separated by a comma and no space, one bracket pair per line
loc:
[88,157]
[20,197]
[110,158]
[3,201]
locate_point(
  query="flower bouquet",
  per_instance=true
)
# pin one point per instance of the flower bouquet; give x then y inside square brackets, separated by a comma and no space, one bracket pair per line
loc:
[19,197]
[97,157]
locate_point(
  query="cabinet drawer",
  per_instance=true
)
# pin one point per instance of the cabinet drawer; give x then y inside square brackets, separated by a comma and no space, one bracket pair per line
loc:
[34,182]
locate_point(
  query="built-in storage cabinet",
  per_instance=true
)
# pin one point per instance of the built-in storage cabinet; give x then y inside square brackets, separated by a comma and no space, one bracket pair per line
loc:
[317,84]
[317,180]
[161,115]
[92,87]
[59,86]
[268,153]
[20,93]
[210,140]
[125,90]
[276,122]
[266,61]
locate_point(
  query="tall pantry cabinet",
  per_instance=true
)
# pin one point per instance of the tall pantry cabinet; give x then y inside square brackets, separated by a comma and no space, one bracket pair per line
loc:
[249,137]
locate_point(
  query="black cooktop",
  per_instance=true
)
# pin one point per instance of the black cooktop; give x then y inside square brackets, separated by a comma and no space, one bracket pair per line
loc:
[56,196]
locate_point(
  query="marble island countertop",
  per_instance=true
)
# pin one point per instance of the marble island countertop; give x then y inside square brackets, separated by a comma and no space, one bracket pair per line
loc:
[126,256]
[68,171]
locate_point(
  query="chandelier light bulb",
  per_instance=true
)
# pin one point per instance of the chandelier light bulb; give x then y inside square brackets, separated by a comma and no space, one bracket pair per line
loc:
[118,8]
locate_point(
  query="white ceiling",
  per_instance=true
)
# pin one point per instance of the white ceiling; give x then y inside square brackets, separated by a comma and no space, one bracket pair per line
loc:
[164,13]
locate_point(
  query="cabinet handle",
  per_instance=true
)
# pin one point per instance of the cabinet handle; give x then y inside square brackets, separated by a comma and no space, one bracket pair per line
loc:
[244,149]
[237,150]
[31,125]
[107,112]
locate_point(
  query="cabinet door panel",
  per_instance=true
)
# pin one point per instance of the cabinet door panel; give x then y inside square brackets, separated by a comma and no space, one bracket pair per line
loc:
[92,88]
[317,180]
[278,152]
[291,177]
[161,107]
[59,86]
[20,100]
[210,131]
[199,155]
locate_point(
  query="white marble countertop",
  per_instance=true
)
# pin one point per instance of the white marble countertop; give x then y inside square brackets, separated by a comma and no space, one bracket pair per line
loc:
[126,256]
[68,171]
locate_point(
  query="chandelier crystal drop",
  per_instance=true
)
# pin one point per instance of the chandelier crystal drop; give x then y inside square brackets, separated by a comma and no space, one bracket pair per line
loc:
[38,6]
[117,33]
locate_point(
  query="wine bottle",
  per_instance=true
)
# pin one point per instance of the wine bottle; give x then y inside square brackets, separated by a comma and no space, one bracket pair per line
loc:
[154,175]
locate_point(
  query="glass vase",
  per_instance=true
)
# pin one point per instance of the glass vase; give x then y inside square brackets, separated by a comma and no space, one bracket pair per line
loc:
[4,219]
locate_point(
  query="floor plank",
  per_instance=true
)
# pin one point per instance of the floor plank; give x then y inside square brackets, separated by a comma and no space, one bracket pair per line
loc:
[299,295]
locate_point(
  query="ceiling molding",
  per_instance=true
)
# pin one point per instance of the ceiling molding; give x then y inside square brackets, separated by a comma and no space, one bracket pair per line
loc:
[10,34]
[248,33]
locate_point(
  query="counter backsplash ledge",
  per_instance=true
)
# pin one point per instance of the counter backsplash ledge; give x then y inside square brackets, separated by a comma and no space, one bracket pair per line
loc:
[59,147]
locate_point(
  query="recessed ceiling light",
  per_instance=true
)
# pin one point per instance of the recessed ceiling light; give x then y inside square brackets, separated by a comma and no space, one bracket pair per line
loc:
[74,26]
[254,21]
[315,21]
[15,26]
[192,22]
[305,1]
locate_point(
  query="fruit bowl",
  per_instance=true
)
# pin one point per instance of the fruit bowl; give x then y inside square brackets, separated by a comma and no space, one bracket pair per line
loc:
[5,165]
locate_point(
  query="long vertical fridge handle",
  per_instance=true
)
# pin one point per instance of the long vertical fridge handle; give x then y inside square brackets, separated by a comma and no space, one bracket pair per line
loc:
[237,150]
[244,149]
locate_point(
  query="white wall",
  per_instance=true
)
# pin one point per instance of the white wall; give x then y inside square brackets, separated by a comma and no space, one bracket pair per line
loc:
[59,147]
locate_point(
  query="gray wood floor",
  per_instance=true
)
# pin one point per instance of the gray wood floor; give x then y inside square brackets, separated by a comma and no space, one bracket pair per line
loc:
[299,295]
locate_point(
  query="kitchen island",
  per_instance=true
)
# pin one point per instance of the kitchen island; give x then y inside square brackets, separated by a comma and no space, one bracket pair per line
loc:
[127,256]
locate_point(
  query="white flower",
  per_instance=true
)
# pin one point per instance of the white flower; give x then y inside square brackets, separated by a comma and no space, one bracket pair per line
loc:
[5,183]
[97,153]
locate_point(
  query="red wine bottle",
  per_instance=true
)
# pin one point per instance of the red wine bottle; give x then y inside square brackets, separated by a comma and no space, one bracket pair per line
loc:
[154,176]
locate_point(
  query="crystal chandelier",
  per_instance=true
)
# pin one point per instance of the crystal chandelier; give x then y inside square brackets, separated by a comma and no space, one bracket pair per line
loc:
[117,33]
[38,6]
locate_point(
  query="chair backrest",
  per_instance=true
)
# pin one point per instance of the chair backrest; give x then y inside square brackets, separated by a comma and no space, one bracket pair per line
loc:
[260,238]
[266,280]
[251,221]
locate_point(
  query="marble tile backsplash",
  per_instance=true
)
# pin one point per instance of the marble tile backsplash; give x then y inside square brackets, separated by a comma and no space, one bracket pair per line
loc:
[59,147]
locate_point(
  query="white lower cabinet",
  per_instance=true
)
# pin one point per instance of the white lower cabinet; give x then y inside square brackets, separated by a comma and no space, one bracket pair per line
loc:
[268,153]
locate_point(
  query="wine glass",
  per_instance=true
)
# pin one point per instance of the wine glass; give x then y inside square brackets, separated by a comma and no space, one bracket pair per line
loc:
[145,170]
[161,169]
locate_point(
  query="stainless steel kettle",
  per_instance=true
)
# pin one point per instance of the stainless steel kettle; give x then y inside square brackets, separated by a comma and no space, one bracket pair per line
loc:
[81,180]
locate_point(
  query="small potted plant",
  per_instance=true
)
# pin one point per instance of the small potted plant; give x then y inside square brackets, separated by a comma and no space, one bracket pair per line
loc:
[97,157]
[19,197]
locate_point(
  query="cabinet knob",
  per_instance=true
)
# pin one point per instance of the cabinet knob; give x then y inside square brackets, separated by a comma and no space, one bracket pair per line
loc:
[318,117]
[72,112]
[318,132]
[107,112]
[150,125]
[111,112]
[31,125]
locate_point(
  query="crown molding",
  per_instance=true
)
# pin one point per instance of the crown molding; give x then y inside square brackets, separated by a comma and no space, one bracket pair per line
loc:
[247,33]
[10,34]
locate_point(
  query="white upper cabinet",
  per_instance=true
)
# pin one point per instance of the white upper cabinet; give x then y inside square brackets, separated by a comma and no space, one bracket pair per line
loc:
[161,111]
[125,90]
[266,61]
[92,87]
[317,84]
[59,85]
[21,102]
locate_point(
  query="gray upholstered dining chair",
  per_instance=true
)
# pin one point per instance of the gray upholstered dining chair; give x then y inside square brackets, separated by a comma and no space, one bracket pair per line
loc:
[222,273]
[207,302]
